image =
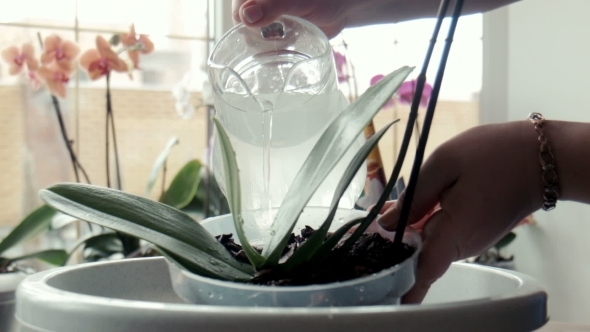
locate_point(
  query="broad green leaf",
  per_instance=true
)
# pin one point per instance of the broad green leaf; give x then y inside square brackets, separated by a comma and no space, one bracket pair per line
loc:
[326,153]
[52,256]
[154,222]
[159,164]
[104,242]
[60,220]
[308,248]
[232,182]
[210,194]
[506,240]
[333,240]
[34,224]
[184,185]
[189,266]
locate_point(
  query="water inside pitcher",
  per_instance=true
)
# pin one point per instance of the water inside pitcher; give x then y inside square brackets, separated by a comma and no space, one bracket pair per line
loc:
[275,92]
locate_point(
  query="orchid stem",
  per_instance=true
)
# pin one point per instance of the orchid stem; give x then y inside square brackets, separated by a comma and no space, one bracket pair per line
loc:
[410,189]
[64,134]
[111,120]
[107,149]
[417,130]
[65,138]
[421,80]
[76,165]
[164,169]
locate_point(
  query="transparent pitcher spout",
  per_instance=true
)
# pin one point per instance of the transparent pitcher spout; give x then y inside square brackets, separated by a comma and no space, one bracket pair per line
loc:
[290,56]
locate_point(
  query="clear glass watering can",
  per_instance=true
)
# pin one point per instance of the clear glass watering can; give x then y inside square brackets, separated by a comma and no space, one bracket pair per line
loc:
[275,92]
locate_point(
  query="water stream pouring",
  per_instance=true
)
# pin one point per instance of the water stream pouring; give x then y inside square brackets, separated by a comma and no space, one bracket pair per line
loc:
[275,92]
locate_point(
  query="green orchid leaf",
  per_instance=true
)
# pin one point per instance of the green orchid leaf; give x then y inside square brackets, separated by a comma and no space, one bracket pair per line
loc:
[56,257]
[146,219]
[34,224]
[326,153]
[195,209]
[179,261]
[232,182]
[104,242]
[335,238]
[159,164]
[60,220]
[308,248]
[183,187]
[506,240]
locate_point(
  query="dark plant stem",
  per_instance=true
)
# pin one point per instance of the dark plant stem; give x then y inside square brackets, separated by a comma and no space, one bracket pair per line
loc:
[164,179]
[411,188]
[110,123]
[106,137]
[77,167]
[421,80]
[65,138]
[116,152]
[417,122]
[417,130]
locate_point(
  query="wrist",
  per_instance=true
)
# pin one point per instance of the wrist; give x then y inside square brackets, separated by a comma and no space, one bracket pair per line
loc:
[569,141]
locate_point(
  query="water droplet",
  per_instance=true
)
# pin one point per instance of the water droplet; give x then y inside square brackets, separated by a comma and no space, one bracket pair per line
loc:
[341,220]
[361,289]
[330,316]
[199,290]
[221,296]
[273,232]
[211,295]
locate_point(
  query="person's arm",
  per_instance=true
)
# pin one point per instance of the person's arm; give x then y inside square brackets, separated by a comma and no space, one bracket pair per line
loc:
[484,181]
[570,142]
[392,11]
[334,15]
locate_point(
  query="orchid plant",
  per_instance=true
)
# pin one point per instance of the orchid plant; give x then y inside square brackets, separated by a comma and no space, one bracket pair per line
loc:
[52,70]
[101,62]
[187,243]
[178,237]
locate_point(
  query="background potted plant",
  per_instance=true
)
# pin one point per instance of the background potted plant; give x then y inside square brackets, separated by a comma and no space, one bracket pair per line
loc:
[12,272]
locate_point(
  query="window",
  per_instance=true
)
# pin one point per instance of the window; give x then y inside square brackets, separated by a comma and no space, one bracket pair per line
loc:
[146,117]
[381,49]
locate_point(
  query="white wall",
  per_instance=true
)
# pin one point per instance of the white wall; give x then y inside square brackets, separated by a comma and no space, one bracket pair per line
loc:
[537,58]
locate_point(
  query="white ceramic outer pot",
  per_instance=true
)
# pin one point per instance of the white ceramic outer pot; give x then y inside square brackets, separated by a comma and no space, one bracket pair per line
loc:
[384,287]
[8,285]
[137,295]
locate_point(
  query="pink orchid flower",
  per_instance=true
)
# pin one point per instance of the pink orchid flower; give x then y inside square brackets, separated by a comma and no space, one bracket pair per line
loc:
[34,79]
[341,61]
[407,90]
[100,61]
[62,52]
[18,58]
[55,78]
[131,40]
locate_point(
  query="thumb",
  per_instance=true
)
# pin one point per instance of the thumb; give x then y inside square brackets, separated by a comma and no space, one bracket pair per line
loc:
[261,13]
[435,177]
[439,250]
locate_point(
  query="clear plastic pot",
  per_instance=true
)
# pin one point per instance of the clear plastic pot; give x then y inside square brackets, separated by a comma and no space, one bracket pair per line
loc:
[385,287]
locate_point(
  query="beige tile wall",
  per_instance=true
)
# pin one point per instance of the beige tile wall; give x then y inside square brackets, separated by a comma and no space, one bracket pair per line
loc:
[450,119]
[32,154]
